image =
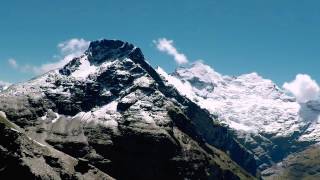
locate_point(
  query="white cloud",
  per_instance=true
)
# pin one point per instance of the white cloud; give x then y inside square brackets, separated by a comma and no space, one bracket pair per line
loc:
[49,66]
[68,50]
[303,88]
[73,46]
[165,45]
[13,63]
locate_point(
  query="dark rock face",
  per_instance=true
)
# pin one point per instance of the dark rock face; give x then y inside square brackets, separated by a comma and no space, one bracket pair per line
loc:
[124,120]
[301,165]
[70,67]
[21,156]
[100,51]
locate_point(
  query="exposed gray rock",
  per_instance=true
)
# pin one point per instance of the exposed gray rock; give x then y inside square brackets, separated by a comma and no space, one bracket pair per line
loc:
[21,156]
[301,165]
[111,109]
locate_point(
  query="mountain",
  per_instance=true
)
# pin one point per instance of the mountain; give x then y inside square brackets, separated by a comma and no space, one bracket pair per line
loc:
[268,122]
[4,86]
[301,165]
[108,113]
[24,157]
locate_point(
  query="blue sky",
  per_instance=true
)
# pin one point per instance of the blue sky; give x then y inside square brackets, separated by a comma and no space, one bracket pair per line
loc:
[277,39]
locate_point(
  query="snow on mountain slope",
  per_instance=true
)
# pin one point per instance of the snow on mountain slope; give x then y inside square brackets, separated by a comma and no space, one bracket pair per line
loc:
[247,102]
[111,108]
[250,105]
[4,85]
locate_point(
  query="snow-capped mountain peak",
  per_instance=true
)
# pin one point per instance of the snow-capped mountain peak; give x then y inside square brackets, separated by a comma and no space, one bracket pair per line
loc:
[246,102]
[103,50]
[200,72]
[99,55]
[109,103]
[250,104]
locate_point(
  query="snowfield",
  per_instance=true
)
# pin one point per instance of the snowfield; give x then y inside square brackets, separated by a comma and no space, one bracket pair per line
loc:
[247,102]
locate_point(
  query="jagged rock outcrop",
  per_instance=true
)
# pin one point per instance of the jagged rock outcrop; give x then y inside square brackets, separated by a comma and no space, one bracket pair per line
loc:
[111,109]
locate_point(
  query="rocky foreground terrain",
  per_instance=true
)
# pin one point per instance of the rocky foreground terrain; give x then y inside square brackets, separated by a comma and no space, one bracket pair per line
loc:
[109,115]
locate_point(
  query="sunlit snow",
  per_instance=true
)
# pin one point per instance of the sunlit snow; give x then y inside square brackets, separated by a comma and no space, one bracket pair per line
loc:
[85,69]
[247,102]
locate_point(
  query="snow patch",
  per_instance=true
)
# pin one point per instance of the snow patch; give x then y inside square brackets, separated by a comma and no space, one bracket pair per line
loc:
[39,143]
[56,119]
[239,126]
[105,115]
[183,88]
[201,71]
[4,86]
[110,123]
[44,117]
[146,117]
[247,102]
[36,142]
[85,69]
[3,114]
[143,81]
[15,130]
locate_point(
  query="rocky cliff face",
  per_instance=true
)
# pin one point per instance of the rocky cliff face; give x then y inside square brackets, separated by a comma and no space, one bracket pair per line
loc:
[24,157]
[111,110]
[301,165]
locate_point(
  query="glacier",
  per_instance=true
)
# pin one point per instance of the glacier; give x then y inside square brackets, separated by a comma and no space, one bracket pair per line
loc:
[267,119]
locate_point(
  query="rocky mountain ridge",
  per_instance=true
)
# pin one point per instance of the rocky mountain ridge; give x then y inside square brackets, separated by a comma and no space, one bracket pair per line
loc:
[267,121]
[110,109]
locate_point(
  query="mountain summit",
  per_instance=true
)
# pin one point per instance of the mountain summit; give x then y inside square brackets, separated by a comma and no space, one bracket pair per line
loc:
[108,113]
[264,119]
